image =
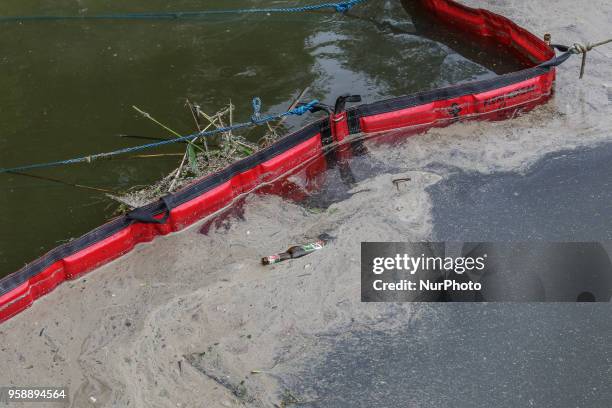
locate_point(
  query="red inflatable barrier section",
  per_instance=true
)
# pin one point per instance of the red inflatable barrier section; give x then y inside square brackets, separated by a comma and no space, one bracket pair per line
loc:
[494,99]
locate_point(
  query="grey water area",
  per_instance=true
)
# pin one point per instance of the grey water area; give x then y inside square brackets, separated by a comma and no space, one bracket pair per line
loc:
[69,86]
[565,196]
[471,355]
[507,355]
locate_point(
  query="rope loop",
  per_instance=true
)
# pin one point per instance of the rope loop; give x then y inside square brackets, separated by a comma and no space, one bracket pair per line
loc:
[256,109]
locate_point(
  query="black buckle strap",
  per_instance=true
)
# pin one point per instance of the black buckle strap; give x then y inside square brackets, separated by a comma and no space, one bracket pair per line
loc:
[340,105]
[326,134]
[558,60]
[145,216]
[352,118]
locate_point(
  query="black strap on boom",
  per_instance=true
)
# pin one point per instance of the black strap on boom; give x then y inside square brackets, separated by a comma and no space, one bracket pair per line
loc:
[146,216]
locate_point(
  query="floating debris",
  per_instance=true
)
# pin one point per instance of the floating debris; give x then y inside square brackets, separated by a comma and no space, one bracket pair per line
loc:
[294,252]
[399,181]
[202,156]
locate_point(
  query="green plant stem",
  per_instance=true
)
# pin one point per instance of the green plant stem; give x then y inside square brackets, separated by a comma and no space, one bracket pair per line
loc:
[173,132]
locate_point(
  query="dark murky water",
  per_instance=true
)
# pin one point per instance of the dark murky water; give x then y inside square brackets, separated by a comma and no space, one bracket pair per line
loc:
[68,88]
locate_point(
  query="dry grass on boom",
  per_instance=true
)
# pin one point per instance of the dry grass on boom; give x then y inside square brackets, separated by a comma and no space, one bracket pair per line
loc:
[202,156]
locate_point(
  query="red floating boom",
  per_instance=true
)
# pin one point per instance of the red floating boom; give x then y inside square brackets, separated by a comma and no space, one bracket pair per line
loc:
[493,99]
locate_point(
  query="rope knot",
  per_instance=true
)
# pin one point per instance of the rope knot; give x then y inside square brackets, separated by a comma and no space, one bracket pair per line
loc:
[345,6]
[583,49]
[579,48]
[300,110]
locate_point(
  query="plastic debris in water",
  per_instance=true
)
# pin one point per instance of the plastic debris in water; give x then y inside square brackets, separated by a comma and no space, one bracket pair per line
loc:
[294,252]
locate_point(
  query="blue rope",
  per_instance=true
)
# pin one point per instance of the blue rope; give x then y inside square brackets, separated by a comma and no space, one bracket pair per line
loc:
[300,110]
[340,7]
